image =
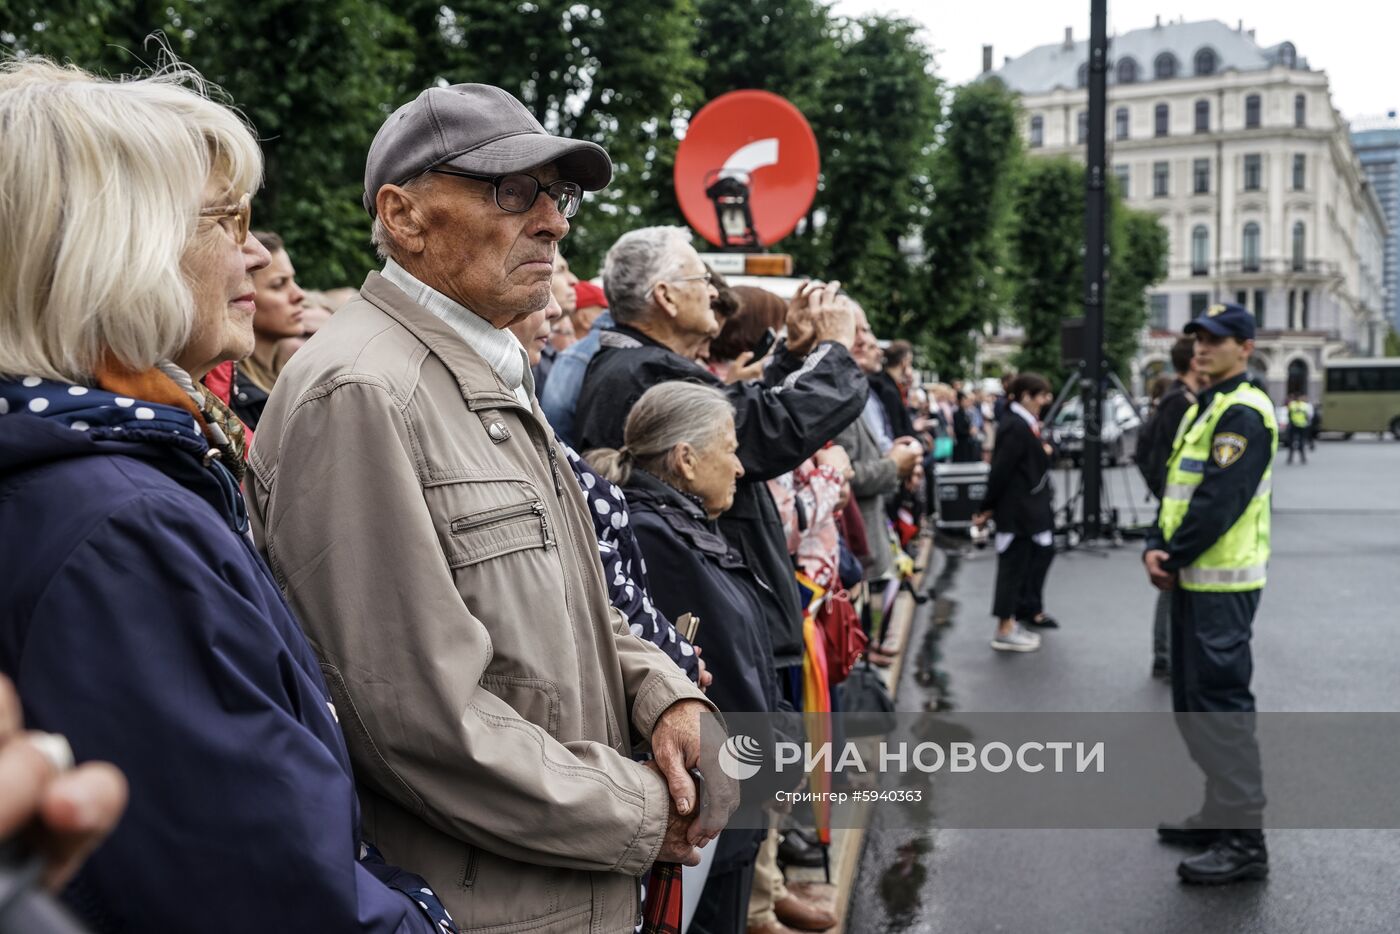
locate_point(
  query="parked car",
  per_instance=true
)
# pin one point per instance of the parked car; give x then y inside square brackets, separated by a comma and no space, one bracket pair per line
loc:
[1121,424]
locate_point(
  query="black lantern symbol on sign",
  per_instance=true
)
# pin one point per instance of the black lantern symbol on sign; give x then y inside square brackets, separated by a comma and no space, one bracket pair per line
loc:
[730,194]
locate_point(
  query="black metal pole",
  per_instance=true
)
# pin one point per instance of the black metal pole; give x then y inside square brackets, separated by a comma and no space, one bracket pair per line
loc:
[1095,217]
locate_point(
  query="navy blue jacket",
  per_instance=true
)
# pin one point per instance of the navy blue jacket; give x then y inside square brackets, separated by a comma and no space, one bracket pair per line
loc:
[137,619]
[701,573]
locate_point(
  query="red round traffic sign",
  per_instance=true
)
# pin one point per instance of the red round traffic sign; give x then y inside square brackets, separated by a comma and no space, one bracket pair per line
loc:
[758,137]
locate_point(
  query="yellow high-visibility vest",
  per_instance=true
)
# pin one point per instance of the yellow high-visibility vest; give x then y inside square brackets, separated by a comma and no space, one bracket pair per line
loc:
[1238,559]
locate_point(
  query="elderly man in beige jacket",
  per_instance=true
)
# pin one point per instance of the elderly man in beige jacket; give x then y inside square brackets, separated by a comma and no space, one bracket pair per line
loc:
[422,520]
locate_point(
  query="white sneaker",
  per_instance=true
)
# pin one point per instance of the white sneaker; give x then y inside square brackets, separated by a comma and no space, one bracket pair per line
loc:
[1017,640]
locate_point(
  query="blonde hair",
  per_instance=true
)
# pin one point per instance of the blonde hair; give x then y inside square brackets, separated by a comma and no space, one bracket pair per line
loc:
[102,184]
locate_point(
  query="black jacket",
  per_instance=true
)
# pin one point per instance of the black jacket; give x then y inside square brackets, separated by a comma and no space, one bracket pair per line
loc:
[966,450]
[1019,493]
[883,385]
[246,399]
[781,420]
[1155,446]
[694,570]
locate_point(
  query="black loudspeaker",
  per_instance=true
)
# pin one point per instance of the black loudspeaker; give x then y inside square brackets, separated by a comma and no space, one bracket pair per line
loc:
[1074,338]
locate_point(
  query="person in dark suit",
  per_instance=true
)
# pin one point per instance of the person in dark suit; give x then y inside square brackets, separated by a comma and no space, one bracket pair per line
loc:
[888,384]
[1021,501]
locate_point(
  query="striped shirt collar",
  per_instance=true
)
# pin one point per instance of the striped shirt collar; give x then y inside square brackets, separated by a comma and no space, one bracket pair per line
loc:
[499,347]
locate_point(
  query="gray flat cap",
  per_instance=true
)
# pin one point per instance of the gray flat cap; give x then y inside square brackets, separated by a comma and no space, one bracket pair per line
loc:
[474,128]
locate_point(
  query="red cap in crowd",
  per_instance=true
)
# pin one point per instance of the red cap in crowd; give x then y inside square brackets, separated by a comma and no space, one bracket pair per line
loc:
[589,295]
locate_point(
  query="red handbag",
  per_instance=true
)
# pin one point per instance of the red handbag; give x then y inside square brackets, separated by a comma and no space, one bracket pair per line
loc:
[841,631]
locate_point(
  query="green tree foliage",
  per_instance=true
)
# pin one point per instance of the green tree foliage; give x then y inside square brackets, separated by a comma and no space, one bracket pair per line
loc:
[1137,261]
[314,80]
[784,46]
[914,210]
[619,73]
[1046,266]
[882,104]
[277,59]
[964,229]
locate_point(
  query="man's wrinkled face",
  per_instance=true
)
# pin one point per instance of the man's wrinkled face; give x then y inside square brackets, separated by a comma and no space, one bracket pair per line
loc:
[499,265]
[865,351]
[690,297]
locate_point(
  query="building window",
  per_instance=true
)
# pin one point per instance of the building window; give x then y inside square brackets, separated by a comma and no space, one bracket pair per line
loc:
[1259,296]
[1200,176]
[1205,62]
[1202,116]
[1083,75]
[1287,55]
[1251,112]
[1164,67]
[1303,324]
[1120,123]
[1127,71]
[1300,169]
[1037,132]
[1292,308]
[1082,127]
[1200,301]
[1157,314]
[1242,298]
[1200,250]
[1252,172]
[1250,249]
[1300,237]
[1120,172]
[1159,180]
[1300,111]
[1161,117]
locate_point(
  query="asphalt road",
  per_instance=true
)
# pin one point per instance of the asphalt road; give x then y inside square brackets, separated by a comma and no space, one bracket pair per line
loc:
[1325,640]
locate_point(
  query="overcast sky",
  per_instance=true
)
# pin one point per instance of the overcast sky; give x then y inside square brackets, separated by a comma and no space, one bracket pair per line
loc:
[1354,41]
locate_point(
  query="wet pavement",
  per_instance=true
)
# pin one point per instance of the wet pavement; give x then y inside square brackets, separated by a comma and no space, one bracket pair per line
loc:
[1325,639]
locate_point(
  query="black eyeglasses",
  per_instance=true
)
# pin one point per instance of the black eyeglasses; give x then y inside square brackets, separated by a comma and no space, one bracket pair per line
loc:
[516,192]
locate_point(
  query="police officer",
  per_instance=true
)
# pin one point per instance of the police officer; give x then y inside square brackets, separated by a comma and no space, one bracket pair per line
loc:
[1210,549]
[1299,420]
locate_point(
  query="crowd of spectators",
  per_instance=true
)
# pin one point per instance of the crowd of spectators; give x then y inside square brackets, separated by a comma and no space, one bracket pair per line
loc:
[402,576]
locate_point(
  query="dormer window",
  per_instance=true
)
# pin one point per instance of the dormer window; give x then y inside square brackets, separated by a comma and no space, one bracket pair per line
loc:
[1164,67]
[1206,62]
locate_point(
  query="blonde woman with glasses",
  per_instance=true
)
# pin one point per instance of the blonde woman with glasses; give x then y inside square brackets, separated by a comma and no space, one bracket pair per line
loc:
[136,619]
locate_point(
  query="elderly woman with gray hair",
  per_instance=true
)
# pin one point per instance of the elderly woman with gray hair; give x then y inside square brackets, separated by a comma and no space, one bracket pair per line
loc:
[136,619]
[679,469]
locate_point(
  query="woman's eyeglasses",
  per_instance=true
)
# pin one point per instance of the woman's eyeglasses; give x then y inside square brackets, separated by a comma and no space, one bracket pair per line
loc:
[241,213]
[516,193]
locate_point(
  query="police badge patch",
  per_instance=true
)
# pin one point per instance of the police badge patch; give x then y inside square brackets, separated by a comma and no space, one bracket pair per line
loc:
[1227,448]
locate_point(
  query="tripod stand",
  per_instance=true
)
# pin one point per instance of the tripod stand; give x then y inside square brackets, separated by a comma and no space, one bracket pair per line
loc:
[1073,531]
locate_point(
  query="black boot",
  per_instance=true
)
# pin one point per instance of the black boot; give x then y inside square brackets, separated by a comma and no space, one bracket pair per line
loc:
[1190,832]
[794,851]
[1234,856]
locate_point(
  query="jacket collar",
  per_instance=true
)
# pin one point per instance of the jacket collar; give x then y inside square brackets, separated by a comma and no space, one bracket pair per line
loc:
[480,384]
[626,337]
[43,422]
[498,346]
[1205,398]
[683,513]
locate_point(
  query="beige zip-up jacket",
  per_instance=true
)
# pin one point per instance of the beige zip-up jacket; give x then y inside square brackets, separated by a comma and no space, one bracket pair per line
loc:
[431,537]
